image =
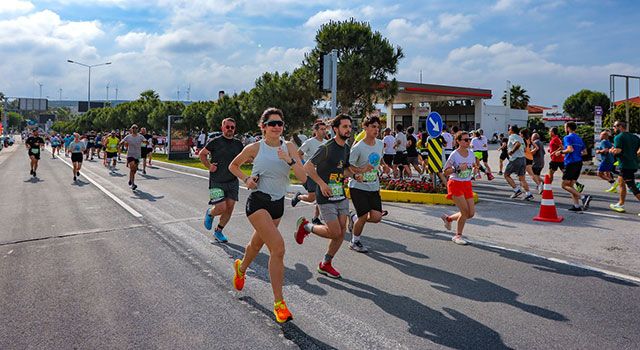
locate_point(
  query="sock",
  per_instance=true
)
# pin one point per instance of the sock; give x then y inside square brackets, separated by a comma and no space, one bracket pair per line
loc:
[355,239]
[354,218]
[219,228]
[517,189]
[308,227]
[327,258]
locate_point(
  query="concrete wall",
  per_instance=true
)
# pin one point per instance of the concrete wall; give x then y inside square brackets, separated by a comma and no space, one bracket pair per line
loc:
[496,119]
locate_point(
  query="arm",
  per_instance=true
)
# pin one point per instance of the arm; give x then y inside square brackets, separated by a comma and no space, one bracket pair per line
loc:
[205,160]
[298,170]
[516,146]
[535,147]
[310,168]
[247,154]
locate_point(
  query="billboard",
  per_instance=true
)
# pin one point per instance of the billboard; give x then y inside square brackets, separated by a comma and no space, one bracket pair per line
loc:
[33,104]
[179,147]
[82,105]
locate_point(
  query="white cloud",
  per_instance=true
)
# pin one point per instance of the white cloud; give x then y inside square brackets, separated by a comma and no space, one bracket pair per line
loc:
[13,7]
[448,27]
[508,5]
[325,16]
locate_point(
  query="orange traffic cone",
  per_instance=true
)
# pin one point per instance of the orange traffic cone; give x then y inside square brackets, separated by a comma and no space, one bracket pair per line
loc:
[547,205]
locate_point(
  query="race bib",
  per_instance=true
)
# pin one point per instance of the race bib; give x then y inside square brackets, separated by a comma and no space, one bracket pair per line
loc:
[370,176]
[337,191]
[215,194]
[464,173]
[35,150]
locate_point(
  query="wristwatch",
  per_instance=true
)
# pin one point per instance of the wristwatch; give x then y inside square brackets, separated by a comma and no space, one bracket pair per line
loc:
[293,161]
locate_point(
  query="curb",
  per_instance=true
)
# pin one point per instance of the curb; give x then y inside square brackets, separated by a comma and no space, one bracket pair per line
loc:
[415,197]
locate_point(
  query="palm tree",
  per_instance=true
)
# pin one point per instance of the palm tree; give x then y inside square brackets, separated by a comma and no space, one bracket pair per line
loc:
[519,97]
[149,96]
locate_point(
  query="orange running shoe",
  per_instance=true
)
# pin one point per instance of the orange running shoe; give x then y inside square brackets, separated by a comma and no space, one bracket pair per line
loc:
[282,312]
[238,277]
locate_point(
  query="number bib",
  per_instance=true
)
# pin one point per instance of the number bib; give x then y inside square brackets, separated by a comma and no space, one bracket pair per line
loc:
[464,173]
[35,150]
[337,192]
[370,176]
[215,195]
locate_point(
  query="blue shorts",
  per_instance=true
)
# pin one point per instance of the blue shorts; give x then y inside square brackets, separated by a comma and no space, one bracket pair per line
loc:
[605,167]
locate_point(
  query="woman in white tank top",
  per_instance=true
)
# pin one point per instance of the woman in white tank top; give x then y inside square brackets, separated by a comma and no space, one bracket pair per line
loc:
[272,159]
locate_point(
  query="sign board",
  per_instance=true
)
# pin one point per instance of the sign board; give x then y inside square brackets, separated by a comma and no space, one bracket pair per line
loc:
[434,124]
[434,150]
[597,129]
[178,138]
[33,104]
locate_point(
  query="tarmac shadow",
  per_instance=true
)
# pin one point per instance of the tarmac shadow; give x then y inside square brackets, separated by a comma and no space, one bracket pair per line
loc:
[454,329]
[79,183]
[116,174]
[382,245]
[299,275]
[146,196]
[289,330]
[149,177]
[33,180]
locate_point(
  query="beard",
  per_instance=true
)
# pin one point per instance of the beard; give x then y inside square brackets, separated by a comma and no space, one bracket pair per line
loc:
[345,137]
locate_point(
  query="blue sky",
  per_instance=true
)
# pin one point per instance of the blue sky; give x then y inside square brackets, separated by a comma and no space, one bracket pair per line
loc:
[552,48]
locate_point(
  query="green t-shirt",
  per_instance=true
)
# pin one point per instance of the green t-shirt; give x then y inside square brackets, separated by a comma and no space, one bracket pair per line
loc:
[629,144]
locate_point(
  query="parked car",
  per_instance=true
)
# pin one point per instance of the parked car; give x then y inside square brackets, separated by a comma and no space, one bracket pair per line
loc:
[7,141]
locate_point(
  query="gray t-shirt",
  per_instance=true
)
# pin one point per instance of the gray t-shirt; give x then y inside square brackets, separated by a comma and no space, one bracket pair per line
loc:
[134,145]
[513,138]
[361,155]
[538,157]
[309,148]
[402,146]
[77,147]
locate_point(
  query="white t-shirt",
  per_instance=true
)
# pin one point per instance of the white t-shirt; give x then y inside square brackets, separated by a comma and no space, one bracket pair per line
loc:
[202,138]
[479,144]
[389,141]
[309,148]
[455,159]
[302,138]
[448,139]
[402,146]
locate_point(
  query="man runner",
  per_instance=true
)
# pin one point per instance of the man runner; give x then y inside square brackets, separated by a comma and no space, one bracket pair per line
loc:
[573,148]
[306,151]
[55,145]
[223,185]
[327,168]
[146,147]
[517,164]
[77,149]
[111,146]
[134,153]
[365,188]
[34,144]
[91,144]
[627,149]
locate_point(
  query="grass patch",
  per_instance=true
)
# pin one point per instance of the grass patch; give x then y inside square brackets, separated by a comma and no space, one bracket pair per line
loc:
[195,163]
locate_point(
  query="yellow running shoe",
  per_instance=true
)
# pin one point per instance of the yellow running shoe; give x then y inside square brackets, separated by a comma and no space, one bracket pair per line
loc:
[282,312]
[617,208]
[613,188]
[238,277]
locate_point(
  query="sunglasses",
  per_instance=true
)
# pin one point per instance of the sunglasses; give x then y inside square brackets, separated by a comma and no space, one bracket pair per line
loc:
[230,127]
[274,123]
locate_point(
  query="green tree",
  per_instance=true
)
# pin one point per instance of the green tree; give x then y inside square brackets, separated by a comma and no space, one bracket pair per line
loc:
[519,97]
[365,61]
[581,105]
[195,114]
[62,113]
[15,120]
[225,107]
[158,117]
[619,113]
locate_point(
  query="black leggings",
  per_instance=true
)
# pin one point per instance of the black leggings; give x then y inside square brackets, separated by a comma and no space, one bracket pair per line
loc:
[629,177]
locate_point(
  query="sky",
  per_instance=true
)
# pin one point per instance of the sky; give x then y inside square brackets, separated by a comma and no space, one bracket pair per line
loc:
[552,48]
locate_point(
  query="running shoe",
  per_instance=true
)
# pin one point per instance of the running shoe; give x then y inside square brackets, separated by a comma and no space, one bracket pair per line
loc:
[385,213]
[31,172]
[220,237]
[144,172]
[579,187]
[575,209]
[490,176]
[540,188]
[529,197]
[134,187]
[238,277]
[516,193]
[74,178]
[316,221]
[129,183]
[617,208]
[445,220]
[358,247]
[457,239]
[281,312]
[613,188]
[328,270]
[208,220]
[350,221]
[301,233]
[499,172]
[34,174]
[585,201]
[295,199]
[78,173]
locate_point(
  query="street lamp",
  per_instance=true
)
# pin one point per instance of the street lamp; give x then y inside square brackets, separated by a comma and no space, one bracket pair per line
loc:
[89,87]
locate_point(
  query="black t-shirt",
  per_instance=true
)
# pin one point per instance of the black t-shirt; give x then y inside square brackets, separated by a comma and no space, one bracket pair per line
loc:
[330,160]
[91,139]
[149,141]
[411,149]
[222,151]
[34,143]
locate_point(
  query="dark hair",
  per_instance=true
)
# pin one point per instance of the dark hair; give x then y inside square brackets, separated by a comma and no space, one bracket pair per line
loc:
[477,133]
[335,123]
[317,125]
[525,133]
[368,120]
[455,129]
[459,135]
[554,130]
[571,125]
[620,123]
[410,130]
[399,127]
[514,128]
[269,111]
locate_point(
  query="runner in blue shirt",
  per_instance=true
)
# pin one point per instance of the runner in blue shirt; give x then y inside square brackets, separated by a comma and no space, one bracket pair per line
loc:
[573,149]
[606,161]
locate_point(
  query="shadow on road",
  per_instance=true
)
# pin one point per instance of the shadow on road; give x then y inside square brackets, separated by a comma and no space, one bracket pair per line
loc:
[33,180]
[116,174]
[290,330]
[79,183]
[476,289]
[146,196]
[382,245]
[149,177]
[453,329]
[299,276]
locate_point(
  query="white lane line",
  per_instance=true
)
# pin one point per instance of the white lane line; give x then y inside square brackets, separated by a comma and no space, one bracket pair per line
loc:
[105,191]
[605,215]
[501,201]
[481,199]
[556,260]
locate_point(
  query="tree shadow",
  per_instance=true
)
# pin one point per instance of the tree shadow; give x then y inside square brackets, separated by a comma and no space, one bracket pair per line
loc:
[289,330]
[146,196]
[477,289]
[116,174]
[299,276]
[454,329]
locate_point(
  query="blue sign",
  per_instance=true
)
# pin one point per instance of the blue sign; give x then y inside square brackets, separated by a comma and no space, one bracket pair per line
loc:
[31,122]
[434,124]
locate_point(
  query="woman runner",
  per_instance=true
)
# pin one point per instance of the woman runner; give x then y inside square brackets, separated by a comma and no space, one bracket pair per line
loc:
[272,160]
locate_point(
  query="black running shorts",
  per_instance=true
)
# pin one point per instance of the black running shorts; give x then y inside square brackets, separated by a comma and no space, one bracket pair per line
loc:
[259,200]
[365,201]
[572,171]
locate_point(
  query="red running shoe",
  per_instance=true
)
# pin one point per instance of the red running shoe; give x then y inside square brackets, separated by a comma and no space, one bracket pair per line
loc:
[328,270]
[238,277]
[301,233]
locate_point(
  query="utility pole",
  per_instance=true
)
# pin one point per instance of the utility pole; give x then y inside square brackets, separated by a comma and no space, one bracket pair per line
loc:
[116,92]
[189,92]
[421,76]
[178,93]
[60,92]
[43,84]
[334,83]
[107,92]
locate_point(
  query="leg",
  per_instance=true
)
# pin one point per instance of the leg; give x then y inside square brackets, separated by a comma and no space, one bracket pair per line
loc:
[567,185]
[309,197]
[267,233]
[523,182]
[373,216]
[507,176]
[225,216]
[463,214]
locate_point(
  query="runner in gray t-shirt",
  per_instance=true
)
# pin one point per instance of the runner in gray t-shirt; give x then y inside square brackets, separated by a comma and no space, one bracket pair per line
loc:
[517,164]
[134,153]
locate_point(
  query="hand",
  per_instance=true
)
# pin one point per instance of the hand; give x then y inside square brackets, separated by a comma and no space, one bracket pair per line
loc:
[325,189]
[368,168]
[213,167]
[463,167]
[358,177]
[251,183]
[284,155]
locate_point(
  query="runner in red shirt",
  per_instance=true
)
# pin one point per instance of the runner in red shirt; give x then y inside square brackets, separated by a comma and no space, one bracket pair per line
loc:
[557,161]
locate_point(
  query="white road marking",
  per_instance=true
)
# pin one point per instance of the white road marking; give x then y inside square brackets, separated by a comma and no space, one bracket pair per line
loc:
[11,251]
[501,201]
[105,191]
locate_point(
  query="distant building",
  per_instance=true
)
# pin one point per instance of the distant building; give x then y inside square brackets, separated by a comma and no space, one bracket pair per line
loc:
[634,100]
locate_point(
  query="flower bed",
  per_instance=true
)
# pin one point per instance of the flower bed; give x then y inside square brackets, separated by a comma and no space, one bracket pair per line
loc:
[417,186]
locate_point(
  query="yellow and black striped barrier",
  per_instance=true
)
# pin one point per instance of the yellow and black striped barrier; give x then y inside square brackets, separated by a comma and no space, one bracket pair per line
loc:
[434,149]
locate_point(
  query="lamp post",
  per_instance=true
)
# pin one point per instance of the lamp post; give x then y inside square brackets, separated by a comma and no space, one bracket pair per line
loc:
[89,87]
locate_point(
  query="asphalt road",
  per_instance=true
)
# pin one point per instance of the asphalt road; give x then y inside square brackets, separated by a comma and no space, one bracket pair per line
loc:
[80,271]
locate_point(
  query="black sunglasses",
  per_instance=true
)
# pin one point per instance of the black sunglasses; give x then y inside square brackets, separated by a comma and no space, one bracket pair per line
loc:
[230,127]
[273,123]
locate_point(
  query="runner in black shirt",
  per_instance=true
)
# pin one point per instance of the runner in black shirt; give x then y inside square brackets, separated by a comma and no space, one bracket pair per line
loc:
[34,144]
[223,185]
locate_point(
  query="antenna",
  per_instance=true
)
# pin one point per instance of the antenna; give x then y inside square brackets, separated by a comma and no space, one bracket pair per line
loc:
[116,92]
[189,92]
[60,91]
[178,93]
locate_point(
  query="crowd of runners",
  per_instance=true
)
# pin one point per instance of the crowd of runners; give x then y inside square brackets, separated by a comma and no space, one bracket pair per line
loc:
[333,170]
